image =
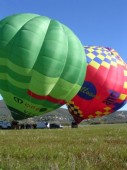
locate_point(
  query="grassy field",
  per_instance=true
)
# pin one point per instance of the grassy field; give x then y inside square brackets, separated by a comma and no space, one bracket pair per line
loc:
[99,147]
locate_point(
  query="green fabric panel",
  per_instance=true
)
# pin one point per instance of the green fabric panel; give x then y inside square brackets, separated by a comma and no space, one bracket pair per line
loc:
[15,68]
[75,60]
[11,25]
[16,83]
[74,70]
[52,57]
[10,88]
[82,73]
[64,90]
[25,48]
[40,84]
[18,115]
[4,71]
[24,106]
[41,55]
[62,87]
[22,93]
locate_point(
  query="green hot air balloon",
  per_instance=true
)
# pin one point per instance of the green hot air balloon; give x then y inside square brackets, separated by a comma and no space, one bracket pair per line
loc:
[42,64]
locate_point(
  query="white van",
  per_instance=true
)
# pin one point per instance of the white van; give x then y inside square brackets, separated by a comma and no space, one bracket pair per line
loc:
[41,125]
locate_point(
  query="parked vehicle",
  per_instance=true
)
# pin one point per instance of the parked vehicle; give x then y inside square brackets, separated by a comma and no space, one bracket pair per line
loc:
[5,125]
[54,126]
[41,125]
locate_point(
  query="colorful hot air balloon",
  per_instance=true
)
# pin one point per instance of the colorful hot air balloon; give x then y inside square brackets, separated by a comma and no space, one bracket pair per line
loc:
[105,86]
[42,64]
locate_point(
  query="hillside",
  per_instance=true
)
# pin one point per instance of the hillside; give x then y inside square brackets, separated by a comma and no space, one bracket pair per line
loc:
[62,115]
[116,117]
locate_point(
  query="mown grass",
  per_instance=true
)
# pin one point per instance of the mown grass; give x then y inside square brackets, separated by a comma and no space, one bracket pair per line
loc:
[99,147]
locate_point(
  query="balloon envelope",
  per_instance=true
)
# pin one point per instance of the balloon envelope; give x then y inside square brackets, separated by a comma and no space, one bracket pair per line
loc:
[105,86]
[42,64]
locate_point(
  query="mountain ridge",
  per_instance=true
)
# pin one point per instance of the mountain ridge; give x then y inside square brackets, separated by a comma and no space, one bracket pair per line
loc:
[63,115]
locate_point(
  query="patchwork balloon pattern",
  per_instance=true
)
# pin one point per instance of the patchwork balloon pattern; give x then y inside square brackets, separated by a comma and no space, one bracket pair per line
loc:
[105,86]
[43,66]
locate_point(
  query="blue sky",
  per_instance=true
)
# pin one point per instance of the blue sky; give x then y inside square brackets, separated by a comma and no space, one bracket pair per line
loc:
[95,22]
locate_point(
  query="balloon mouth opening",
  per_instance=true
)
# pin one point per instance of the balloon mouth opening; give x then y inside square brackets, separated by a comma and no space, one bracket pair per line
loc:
[17,115]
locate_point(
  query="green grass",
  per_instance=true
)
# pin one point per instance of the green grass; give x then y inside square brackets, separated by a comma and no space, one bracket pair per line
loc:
[99,147]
